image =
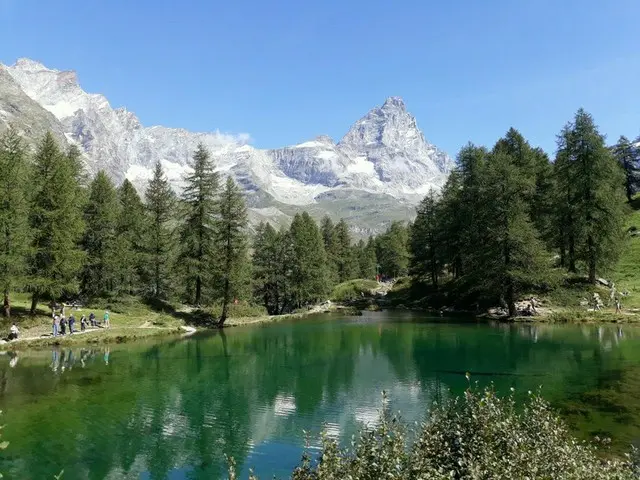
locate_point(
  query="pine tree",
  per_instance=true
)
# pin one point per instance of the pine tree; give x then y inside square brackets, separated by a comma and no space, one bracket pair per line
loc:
[160,204]
[597,193]
[272,260]
[327,229]
[99,276]
[566,222]
[14,215]
[628,154]
[130,239]
[231,238]
[309,269]
[512,258]
[366,259]
[56,220]
[392,250]
[425,241]
[197,229]
[343,252]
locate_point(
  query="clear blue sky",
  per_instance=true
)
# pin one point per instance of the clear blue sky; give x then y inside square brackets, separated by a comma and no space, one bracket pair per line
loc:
[285,71]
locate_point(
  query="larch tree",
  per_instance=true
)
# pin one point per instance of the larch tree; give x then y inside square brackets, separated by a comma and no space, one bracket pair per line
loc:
[160,205]
[14,215]
[309,266]
[343,253]
[425,241]
[131,227]
[597,196]
[99,275]
[56,221]
[231,241]
[196,232]
[628,155]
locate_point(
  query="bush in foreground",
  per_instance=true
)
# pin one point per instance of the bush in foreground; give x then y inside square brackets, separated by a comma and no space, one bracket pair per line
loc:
[353,290]
[477,436]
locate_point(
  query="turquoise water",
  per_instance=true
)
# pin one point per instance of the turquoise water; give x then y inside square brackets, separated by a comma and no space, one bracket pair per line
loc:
[174,408]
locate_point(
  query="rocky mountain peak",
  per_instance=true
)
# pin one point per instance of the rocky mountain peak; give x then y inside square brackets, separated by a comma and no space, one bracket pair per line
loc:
[324,139]
[394,103]
[27,64]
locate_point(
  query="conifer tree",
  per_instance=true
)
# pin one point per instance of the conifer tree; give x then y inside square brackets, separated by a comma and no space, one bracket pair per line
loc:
[101,215]
[597,193]
[56,220]
[566,221]
[309,269]
[366,257]
[327,229]
[392,250]
[231,239]
[131,227]
[160,204]
[512,258]
[14,215]
[197,229]
[628,154]
[272,260]
[425,241]
[343,253]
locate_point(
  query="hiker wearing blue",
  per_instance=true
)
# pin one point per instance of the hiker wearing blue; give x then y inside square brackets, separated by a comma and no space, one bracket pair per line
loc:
[72,322]
[56,325]
[92,319]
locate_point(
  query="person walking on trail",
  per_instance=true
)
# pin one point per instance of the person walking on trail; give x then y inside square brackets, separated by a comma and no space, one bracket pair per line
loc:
[618,305]
[107,322]
[56,325]
[72,322]
[92,319]
[83,323]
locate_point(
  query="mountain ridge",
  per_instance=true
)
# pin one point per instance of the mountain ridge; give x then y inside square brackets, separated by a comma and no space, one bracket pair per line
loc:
[383,154]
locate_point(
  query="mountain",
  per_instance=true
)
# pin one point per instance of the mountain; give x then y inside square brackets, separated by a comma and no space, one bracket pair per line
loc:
[376,173]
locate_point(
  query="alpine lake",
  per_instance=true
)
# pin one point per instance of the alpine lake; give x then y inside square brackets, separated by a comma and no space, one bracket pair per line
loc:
[175,407]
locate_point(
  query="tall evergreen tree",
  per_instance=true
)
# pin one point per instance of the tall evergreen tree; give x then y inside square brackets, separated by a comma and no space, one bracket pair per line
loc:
[343,252]
[56,220]
[628,154]
[130,239]
[160,204]
[272,261]
[366,256]
[310,278]
[231,238]
[99,276]
[197,229]
[328,231]
[392,250]
[512,258]
[14,215]
[597,193]
[425,241]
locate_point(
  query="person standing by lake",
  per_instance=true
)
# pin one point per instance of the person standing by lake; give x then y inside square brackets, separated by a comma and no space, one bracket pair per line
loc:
[92,319]
[63,325]
[72,322]
[83,323]
[107,322]
[56,324]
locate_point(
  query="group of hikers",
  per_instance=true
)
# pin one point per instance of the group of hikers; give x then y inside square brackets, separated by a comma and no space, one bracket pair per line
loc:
[60,322]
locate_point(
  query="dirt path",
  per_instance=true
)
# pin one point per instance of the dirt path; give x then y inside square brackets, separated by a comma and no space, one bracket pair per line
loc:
[48,335]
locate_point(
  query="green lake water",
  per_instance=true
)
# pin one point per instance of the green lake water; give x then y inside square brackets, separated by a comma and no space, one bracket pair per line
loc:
[174,407]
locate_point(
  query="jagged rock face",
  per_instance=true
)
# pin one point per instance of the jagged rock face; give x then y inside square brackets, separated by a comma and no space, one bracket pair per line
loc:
[384,154]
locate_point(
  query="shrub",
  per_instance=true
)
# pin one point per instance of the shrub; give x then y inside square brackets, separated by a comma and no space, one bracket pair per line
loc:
[353,290]
[477,436]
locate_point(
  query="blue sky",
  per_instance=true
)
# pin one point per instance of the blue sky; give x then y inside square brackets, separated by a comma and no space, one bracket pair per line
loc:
[285,71]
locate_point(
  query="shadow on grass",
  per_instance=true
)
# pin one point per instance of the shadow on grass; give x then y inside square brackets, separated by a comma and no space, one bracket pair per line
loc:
[196,317]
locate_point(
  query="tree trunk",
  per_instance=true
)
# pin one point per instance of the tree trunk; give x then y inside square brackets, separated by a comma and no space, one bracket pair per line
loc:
[7,304]
[572,254]
[35,297]
[225,303]
[198,290]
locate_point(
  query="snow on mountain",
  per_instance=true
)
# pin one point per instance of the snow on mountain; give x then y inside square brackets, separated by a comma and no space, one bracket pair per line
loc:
[384,153]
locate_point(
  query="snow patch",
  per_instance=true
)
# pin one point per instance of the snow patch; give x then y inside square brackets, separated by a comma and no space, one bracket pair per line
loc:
[311,144]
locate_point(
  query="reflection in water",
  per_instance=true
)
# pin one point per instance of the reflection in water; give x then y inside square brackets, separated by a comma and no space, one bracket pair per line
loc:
[177,407]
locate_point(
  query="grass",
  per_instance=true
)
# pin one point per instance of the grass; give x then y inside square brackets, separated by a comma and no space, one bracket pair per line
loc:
[353,290]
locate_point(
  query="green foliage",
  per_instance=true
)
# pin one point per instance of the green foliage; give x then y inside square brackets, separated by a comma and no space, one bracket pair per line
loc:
[56,220]
[99,276]
[343,252]
[628,155]
[365,255]
[197,236]
[231,238]
[14,215]
[353,290]
[130,240]
[273,257]
[160,204]
[392,250]
[480,435]
[309,269]
[426,241]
